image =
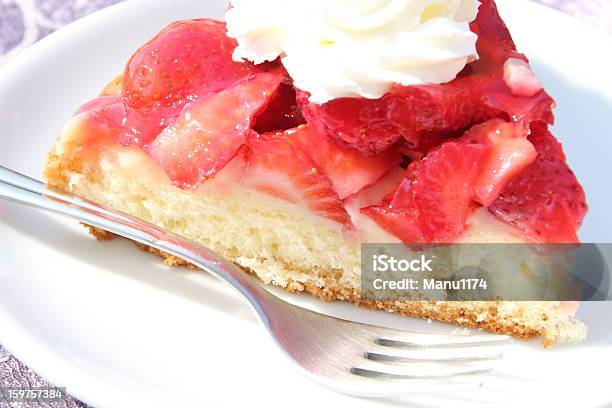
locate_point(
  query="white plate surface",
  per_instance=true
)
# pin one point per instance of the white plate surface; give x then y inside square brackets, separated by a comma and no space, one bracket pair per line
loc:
[119,329]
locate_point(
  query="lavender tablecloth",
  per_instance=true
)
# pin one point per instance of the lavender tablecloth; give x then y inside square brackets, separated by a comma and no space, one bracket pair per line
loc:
[23,22]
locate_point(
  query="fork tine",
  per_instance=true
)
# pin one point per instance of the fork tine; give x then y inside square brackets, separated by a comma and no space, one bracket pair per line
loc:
[444,360]
[440,342]
[364,372]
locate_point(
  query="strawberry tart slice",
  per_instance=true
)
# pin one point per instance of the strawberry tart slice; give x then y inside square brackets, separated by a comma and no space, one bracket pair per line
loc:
[297,131]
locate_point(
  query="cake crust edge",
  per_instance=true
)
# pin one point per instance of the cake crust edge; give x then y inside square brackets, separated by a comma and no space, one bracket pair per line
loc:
[460,314]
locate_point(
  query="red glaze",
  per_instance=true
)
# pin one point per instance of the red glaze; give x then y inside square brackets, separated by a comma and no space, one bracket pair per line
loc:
[282,114]
[278,168]
[192,108]
[348,170]
[212,130]
[434,201]
[509,153]
[185,62]
[440,191]
[546,200]
[189,58]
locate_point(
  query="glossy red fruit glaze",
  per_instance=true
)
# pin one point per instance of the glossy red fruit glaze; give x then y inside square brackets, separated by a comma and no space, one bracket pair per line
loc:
[188,60]
[98,104]
[373,195]
[110,110]
[129,126]
[439,192]
[282,114]
[434,202]
[413,113]
[349,170]
[368,126]
[520,78]
[546,200]
[378,193]
[112,113]
[509,153]
[209,133]
[95,131]
[277,167]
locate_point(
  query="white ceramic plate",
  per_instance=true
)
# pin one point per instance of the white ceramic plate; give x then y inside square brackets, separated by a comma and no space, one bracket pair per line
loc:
[118,329]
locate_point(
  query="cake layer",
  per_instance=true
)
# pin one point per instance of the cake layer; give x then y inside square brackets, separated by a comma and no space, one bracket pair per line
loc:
[280,242]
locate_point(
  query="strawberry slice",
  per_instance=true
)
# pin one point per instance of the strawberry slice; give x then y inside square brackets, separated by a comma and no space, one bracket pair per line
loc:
[377,194]
[434,202]
[401,222]
[279,168]
[348,170]
[520,78]
[187,59]
[546,200]
[368,126]
[209,133]
[373,195]
[547,146]
[510,153]
[440,191]
[413,113]
[282,114]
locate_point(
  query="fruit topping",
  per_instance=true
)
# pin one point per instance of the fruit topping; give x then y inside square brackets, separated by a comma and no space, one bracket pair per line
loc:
[368,126]
[187,61]
[520,78]
[348,170]
[189,58]
[434,201]
[546,200]
[373,195]
[210,131]
[440,191]
[279,168]
[479,140]
[282,114]
[377,193]
[509,153]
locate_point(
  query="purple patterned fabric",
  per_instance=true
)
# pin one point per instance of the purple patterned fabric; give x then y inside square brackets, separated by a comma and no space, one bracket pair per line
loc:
[596,12]
[23,22]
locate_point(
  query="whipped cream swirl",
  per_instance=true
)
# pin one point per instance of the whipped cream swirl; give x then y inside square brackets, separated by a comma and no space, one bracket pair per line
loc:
[356,48]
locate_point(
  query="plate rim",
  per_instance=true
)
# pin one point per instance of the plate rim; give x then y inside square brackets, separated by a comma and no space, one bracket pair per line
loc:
[24,353]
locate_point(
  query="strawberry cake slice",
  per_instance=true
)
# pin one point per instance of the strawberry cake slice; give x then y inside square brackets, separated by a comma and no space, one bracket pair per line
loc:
[297,131]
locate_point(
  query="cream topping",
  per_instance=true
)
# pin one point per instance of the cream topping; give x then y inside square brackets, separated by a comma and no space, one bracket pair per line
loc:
[356,48]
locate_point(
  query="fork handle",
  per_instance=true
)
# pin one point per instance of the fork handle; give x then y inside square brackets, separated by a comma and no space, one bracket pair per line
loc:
[21,189]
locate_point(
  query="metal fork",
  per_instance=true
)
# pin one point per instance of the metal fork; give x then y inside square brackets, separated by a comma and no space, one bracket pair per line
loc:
[350,357]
